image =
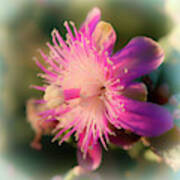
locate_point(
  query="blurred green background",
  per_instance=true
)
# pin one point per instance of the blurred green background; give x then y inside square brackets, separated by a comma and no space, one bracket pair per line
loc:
[26,26]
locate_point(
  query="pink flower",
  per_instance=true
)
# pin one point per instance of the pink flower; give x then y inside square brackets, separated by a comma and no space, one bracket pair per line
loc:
[41,127]
[91,92]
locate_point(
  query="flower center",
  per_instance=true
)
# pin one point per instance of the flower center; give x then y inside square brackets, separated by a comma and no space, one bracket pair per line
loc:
[84,73]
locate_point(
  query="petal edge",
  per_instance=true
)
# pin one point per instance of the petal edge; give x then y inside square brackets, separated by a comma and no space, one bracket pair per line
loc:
[139,57]
[144,118]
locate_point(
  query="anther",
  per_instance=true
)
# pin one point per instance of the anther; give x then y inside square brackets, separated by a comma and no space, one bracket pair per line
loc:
[125,70]
[109,61]
[120,87]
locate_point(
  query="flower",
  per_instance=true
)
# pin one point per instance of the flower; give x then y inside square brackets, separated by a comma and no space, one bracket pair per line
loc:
[40,126]
[92,93]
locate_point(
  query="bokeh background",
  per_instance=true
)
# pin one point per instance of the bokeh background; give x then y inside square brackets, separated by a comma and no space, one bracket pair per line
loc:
[26,26]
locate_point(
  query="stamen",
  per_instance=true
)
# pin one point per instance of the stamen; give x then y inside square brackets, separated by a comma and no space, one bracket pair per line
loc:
[109,61]
[123,110]
[67,135]
[125,70]
[83,97]
[43,68]
[75,30]
[63,130]
[69,30]
[55,35]
[120,87]
[40,88]
[51,63]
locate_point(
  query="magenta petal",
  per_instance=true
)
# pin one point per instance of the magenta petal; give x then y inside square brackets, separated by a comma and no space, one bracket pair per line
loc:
[92,159]
[91,21]
[71,93]
[141,56]
[144,118]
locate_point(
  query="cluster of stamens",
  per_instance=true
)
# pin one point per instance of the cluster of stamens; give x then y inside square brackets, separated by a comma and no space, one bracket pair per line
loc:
[80,87]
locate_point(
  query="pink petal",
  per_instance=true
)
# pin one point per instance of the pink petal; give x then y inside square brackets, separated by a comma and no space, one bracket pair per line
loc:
[92,19]
[71,93]
[92,159]
[104,36]
[141,56]
[144,118]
